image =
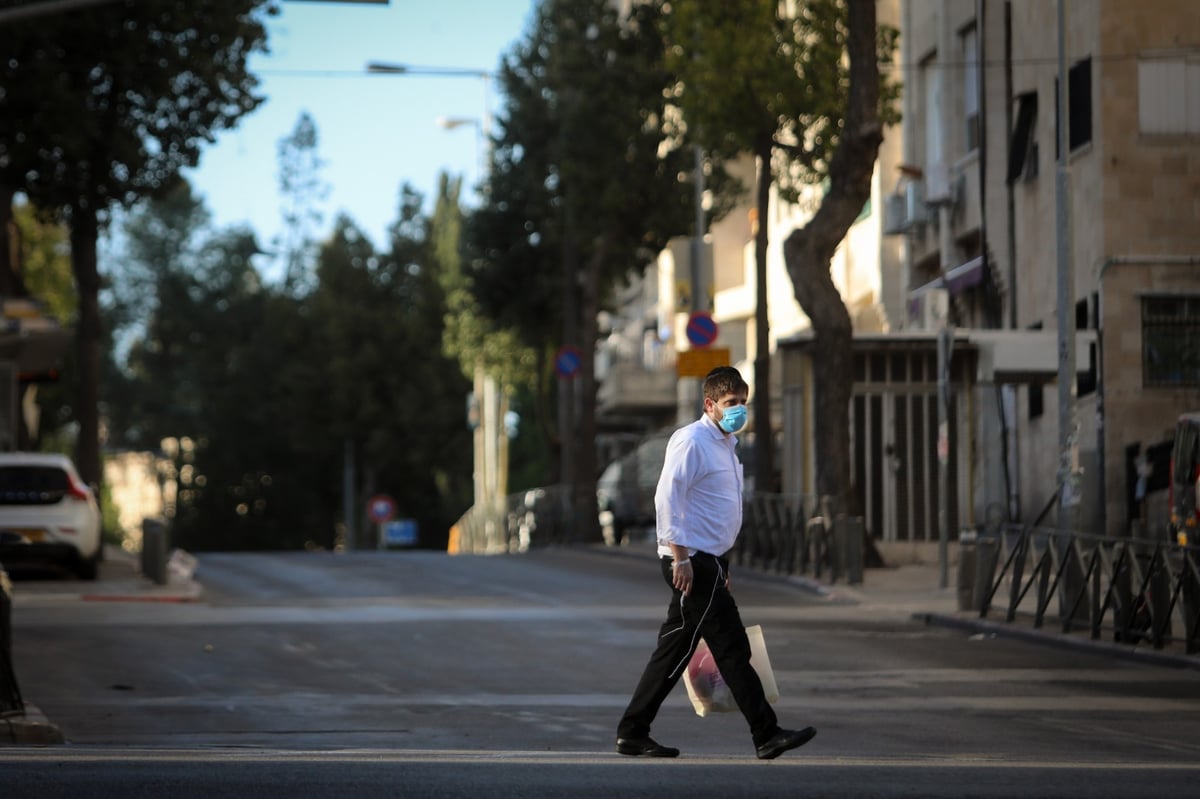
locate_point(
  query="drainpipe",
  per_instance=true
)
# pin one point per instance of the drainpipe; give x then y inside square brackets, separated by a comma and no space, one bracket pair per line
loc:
[909,149]
[1118,260]
[945,339]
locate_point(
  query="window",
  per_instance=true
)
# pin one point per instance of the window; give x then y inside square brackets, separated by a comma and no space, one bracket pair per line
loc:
[1171,341]
[1079,107]
[1022,148]
[1087,318]
[970,76]
[1169,94]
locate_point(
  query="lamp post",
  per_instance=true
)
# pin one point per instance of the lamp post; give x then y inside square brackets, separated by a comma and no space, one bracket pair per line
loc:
[490,442]
[450,123]
[483,124]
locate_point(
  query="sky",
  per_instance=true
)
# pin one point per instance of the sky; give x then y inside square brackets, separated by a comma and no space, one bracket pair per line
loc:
[375,132]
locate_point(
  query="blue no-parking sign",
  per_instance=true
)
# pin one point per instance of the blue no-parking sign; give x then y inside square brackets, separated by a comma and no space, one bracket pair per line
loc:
[567,361]
[701,329]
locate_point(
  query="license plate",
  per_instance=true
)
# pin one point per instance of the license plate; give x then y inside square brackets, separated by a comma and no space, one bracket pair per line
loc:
[29,535]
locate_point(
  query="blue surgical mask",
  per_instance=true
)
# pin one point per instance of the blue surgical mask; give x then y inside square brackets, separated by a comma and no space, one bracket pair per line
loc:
[733,419]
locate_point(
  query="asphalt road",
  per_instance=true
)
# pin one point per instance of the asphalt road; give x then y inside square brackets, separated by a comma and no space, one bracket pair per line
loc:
[420,674]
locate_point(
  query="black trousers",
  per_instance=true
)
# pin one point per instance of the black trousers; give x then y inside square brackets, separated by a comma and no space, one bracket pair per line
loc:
[708,612]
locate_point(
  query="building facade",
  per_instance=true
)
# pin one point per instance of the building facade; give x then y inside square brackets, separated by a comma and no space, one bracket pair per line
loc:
[992,247]
[966,232]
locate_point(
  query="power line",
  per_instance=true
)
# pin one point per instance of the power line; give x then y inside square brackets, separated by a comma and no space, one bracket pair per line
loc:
[1032,61]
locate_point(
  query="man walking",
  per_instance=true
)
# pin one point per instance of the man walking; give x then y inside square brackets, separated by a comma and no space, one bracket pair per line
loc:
[698,509]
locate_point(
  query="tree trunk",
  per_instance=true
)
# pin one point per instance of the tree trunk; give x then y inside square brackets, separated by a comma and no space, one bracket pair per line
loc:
[87,337]
[808,252]
[764,467]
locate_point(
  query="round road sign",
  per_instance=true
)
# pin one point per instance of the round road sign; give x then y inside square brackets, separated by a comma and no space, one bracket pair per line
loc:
[567,361]
[381,508]
[701,329]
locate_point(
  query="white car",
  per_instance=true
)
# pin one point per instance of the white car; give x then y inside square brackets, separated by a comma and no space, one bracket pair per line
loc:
[47,513]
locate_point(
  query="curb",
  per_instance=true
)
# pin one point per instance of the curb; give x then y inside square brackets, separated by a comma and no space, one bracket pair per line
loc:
[31,728]
[1059,640]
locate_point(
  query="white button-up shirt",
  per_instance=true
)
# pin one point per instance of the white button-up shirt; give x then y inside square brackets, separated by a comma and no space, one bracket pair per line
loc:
[698,502]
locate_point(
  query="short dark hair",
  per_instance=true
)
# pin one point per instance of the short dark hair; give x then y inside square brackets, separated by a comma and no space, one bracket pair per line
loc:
[724,380]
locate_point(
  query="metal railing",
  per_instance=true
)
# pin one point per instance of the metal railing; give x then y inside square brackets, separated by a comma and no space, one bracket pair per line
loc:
[1134,589]
[780,532]
[793,534]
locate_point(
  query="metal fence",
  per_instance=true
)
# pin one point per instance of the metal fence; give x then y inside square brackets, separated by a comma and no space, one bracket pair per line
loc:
[792,534]
[782,533]
[1134,590]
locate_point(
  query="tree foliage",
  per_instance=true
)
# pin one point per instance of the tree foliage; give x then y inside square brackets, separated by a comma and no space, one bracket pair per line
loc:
[45,264]
[104,105]
[256,395]
[809,250]
[585,188]
[757,81]
[302,190]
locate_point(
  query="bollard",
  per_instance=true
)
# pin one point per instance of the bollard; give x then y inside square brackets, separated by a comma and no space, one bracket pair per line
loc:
[154,550]
[987,557]
[815,546]
[966,570]
[10,693]
[852,549]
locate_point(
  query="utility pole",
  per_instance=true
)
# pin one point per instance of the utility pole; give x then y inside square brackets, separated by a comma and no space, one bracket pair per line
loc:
[690,392]
[1068,496]
[945,335]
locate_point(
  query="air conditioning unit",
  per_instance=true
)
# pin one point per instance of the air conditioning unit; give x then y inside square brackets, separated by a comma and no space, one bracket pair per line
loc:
[914,202]
[904,211]
[937,184]
[895,214]
[935,311]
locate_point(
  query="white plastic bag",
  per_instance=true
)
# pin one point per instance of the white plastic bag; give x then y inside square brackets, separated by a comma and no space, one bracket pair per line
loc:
[707,689]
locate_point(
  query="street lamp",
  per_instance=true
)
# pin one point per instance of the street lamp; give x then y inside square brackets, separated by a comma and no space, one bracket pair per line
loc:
[483,125]
[388,68]
[450,123]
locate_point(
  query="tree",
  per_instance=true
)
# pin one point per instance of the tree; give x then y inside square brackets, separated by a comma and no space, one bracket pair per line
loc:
[809,250]
[756,81]
[389,388]
[584,189]
[44,271]
[302,189]
[104,105]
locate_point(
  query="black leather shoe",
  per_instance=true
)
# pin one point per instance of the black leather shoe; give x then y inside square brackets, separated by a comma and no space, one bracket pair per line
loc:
[645,747]
[784,740]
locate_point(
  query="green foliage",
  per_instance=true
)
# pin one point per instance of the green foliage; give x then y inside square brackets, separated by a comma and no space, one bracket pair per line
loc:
[252,393]
[110,517]
[580,165]
[106,103]
[302,189]
[752,79]
[46,264]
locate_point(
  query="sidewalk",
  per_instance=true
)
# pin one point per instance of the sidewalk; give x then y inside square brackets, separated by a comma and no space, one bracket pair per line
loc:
[911,592]
[120,580]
